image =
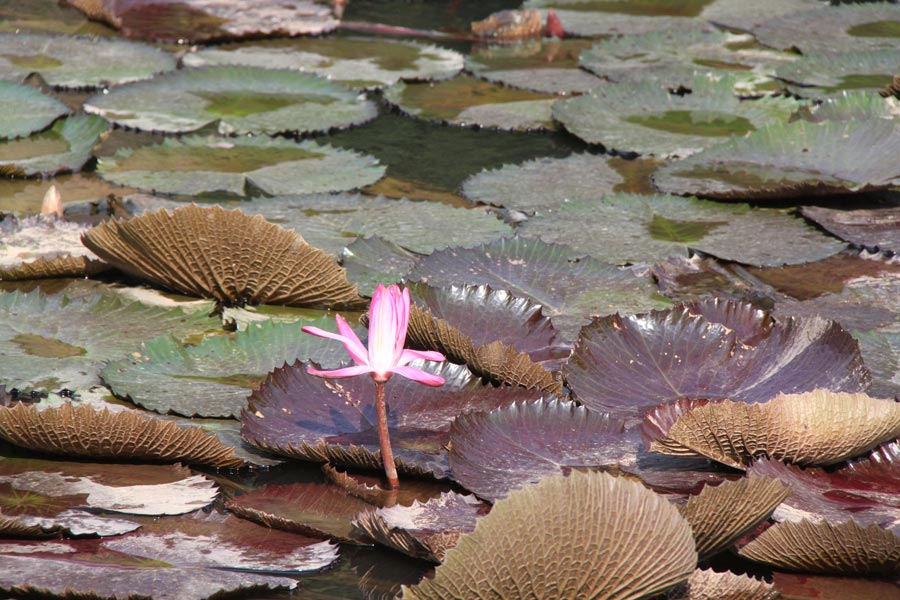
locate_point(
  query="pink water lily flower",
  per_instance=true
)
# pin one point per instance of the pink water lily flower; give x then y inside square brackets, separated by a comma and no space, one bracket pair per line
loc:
[388,321]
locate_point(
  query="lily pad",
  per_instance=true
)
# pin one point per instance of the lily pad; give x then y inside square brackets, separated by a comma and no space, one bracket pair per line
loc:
[44,246]
[299,415]
[235,100]
[635,545]
[373,260]
[26,109]
[817,587]
[632,228]
[68,523]
[869,227]
[592,18]
[798,159]
[881,351]
[215,377]
[65,147]
[239,167]
[848,27]
[543,185]
[330,222]
[208,20]
[832,72]
[494,453]
[713,349]
[547,65]
[226,255]
[668,124]
[466,101]
[50,342]
[706,584]
[356,62]
[568,291]
[79,62]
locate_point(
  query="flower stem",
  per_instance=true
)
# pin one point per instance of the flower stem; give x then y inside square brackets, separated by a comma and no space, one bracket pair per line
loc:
[387,455]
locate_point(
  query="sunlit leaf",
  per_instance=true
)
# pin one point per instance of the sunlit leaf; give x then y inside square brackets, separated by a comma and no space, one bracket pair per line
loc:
[65,147]
[26,109]
[838,28]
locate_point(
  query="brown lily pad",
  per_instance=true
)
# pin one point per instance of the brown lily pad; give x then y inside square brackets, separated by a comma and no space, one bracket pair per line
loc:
[537,544]
[706,584]
[813,587]
[871,227]
[826,549]
[812,428]
[225,255]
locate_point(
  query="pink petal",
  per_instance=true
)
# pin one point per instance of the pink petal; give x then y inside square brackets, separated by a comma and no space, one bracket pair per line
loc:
[409,355]
[419,375]
[352,343]
[345,372]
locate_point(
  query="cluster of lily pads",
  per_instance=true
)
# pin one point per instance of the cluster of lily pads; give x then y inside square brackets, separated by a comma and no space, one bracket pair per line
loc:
[649,393]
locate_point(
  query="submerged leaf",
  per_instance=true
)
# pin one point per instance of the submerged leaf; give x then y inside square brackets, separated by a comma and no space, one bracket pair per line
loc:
[537,544]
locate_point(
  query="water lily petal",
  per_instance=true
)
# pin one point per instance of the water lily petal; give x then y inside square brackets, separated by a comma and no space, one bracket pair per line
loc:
[419,375]
[352,343]
[409,355]
[349,343]
[345,372]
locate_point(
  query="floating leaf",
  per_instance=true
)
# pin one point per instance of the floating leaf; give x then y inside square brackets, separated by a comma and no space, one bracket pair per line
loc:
[239,167]
[373,260]
[831,72]
[720,515]
[83,431]
[569,291]
[537,544]
[41,246]
[543,185]
[221,254]
[356,62]
[664,123]
[635,228]
[845,549]
[838,28]
[798,159]
[68,523]
[493,453]
[870,227]
[207,20]
[811,587]
[50,342]
[813,428]
[473,102]
[26,109]
[540,65]
[881,352]
[65,147]
[706,584]
[424,530]
[236,100]
[714,349]
[302,416]
[588,18]
[497,335]
[215,376]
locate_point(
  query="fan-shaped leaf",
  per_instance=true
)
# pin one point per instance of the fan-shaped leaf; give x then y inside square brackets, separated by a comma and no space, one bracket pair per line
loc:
[706,584]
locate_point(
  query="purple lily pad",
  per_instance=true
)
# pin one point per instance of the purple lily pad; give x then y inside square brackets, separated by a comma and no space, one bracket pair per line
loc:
[307,417]
[70,523]
[713,349]
[493,453]
[864,226]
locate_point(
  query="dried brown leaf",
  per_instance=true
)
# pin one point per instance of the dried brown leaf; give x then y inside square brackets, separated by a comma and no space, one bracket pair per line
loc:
[706,584]
[49,268]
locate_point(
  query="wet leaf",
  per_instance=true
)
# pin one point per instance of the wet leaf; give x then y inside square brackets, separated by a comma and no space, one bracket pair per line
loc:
[226,255]
[706,584]
[237,100]
[356,62]
[65,147]
[79,62]
[838,28]
[44,246]
[812,428]
[536,543]
[473,102]
[587,18]
[373,260]
[494,453]
[214,377]
[302,416]
[38,524]
[632,228]
[667,124]
[25,109]
[50,342]
[239,167]
[830,72]
[826,549]
[870,227]
[881,352]
[713,349]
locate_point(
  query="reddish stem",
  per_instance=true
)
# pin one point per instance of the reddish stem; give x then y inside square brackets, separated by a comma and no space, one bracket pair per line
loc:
[387,455]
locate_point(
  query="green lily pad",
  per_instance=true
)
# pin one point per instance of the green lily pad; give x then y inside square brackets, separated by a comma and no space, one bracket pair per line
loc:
[792,160]
[849,27]
[568,291]
[26,110]
[542,185]
[631,228]
[853,106]
[330,222]
[667,124]
[356,62]
[242,166]
[234,99]
[591,18]
[373,260]
[831,72]
[49,342]
[671,57]
[744,16]
[548,65]
[66,146]
[215,377]
[466,101]
[79,62]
